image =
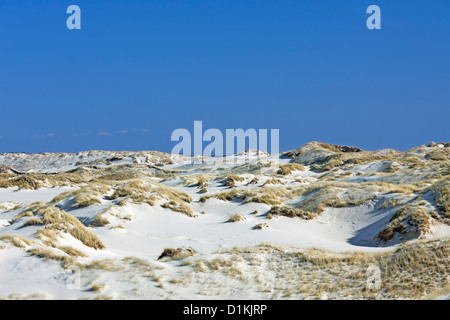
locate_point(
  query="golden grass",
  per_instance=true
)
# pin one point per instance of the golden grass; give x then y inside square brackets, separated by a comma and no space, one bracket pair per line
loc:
[441,194]
[97,288]
[315,198]
[411,218]
[236,217]
[437,155]
[260,226]
[231,180]
[10,206]
[100,220]
[33,181]
[395,188]
[179,206]
[176,253]
[26,213]
[22,182]
[292,213]
[287,169]
[139,191]
[267,195]
[413,271]
[48,254]
[17,296]
[203,190]
[224,196]
[57,220]
[342,160]
[89,195]
[48,235]
[86,200]
[106,265]
[71,251]
[272,181]
[32,222]
[202,182]
[16,240]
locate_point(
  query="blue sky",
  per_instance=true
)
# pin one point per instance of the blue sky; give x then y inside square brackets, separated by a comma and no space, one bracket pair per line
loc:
[137,70]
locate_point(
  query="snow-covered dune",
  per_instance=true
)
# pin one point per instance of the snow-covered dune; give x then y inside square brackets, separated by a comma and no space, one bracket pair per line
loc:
[93,224]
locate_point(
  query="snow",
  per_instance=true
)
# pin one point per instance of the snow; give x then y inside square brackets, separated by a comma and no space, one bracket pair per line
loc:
[29,275]
[28,196]
[144,231]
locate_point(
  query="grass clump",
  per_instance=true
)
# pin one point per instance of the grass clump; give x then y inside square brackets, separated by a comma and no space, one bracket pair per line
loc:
[33,222]
[409,219]
[16,240]
[315,198]
[179,206]
[261,226]
[23,182]
[139,191]
[231,180]
[411,271]
[26,213]
[71,251]
[100,220]
[176,253]
[441,194]
[89,195]
[58,220]
[272,181]
[292,213]
[236,217]
[270,195]
[437,155]
[202,182]
[255,180]
[287,169]
[48,254]
[203,190]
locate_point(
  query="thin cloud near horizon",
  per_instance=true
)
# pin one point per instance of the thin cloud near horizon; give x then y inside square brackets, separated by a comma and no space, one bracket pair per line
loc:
[101,133]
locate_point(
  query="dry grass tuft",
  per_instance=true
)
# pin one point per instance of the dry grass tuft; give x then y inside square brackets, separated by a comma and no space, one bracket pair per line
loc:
[179,206]
[32,222]
[26,213]
[271,195]
[437,155]
[89,195]
[231,180]
[236,217]
[71,251]
[409,219]
[315,198]
[292,213]
[202,182]
[57,220]
[48,254]
[139,191]
[16,240]
[177,253]
[412,271]
[261,226]
[272,181]
[287,169]
[23,182]
[255,180]
[441,194]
